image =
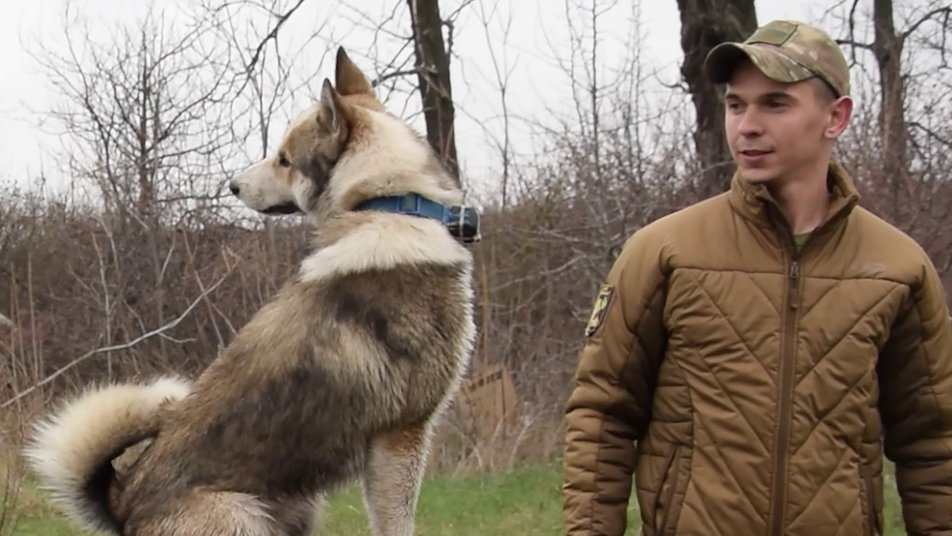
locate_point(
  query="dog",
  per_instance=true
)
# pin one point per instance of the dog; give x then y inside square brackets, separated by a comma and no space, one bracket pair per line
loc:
[340,377]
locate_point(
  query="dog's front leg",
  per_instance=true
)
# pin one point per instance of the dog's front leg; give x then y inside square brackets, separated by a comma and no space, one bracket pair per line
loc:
[393,477]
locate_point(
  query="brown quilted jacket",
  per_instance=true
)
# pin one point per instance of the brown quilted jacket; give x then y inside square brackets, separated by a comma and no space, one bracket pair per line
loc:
[751,388]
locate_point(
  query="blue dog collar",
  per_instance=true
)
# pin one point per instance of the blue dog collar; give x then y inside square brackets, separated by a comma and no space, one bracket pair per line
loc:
[461,221]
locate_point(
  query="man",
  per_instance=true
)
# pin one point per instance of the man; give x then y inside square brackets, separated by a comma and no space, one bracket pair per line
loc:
[763,348]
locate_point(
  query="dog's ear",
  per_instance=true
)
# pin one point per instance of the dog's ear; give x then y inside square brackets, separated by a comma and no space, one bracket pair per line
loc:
[350,80]
[331,113]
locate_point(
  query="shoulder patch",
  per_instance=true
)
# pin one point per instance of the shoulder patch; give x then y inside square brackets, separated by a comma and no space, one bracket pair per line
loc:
[599,309]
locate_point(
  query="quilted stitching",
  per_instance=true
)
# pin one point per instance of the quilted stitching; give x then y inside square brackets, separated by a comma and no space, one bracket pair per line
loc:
[722,314]
[728,471]
[829,475]
[842,337]
[834,349]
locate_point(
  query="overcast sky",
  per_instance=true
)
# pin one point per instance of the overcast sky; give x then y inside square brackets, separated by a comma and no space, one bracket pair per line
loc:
[538,35]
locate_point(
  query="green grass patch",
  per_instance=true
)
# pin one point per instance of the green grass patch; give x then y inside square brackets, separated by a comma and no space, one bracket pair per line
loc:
[892,511]
[526,501]
[33,516]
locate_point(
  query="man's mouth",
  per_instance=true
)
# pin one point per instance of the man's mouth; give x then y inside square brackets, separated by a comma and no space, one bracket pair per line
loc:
[752,153]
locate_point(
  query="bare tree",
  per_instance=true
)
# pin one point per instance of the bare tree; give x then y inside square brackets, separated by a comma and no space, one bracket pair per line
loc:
[888,47]
[433,71]
[704,25]
[502,73]
[601,168]
[144,115]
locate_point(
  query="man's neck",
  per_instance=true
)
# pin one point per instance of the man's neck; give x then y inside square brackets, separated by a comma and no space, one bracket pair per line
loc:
[804,202]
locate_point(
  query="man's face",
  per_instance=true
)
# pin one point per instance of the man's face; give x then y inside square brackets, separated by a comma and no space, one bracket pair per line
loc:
[777,132]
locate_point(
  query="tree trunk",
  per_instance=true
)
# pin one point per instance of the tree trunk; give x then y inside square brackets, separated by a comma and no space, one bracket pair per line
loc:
[433,71]
[705,24]
[887,48]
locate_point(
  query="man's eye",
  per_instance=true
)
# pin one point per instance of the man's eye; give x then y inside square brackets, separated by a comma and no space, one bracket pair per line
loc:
[283,160]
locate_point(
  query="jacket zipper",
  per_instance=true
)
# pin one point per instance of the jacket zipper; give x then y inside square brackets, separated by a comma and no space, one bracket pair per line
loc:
[788,358]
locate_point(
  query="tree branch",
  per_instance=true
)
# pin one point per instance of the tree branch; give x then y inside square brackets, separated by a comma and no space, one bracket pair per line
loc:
[850,42]
[394,74]
[273,34]
[158,331]
[925,18]
[933,134]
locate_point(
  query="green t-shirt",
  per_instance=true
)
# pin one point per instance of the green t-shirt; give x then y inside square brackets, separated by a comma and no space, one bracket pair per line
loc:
[800,239]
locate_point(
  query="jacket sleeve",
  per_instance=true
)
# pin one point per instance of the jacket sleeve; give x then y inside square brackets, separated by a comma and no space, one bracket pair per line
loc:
[609,407]
[915,374]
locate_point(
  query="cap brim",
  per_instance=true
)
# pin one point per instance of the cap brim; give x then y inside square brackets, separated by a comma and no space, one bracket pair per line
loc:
[771,61]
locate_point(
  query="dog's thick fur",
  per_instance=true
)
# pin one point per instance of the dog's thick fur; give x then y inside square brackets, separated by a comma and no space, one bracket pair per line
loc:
[339,377]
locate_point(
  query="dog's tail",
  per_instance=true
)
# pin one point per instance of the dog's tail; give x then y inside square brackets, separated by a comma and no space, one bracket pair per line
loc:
[71,452]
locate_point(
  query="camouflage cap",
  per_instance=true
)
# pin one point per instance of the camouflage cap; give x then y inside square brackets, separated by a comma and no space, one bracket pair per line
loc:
[785,51]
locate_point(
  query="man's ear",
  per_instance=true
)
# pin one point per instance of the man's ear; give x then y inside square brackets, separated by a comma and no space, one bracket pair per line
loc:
[350,80]
[841,110]
[331,111]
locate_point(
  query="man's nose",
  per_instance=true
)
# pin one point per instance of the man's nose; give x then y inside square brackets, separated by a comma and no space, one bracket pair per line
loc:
[234,187]
[750,124]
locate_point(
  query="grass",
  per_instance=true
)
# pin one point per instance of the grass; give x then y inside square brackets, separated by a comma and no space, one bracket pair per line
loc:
[525,501]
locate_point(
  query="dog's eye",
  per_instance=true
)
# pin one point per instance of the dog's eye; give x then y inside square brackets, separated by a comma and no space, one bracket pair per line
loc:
[283,160]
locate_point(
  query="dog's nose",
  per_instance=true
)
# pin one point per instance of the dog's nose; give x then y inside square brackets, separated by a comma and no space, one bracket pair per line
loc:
[233,186]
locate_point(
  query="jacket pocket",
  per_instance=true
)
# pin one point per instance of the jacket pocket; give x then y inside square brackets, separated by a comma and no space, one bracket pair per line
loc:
[871,504]
[665,493]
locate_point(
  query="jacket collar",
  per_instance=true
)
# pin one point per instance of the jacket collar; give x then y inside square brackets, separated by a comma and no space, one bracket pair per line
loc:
[755,203]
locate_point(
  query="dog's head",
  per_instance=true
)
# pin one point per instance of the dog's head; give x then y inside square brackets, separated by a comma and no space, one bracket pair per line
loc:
[342,151]
[292,179]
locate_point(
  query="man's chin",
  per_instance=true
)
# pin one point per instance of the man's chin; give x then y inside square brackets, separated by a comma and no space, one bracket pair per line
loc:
[757,176]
